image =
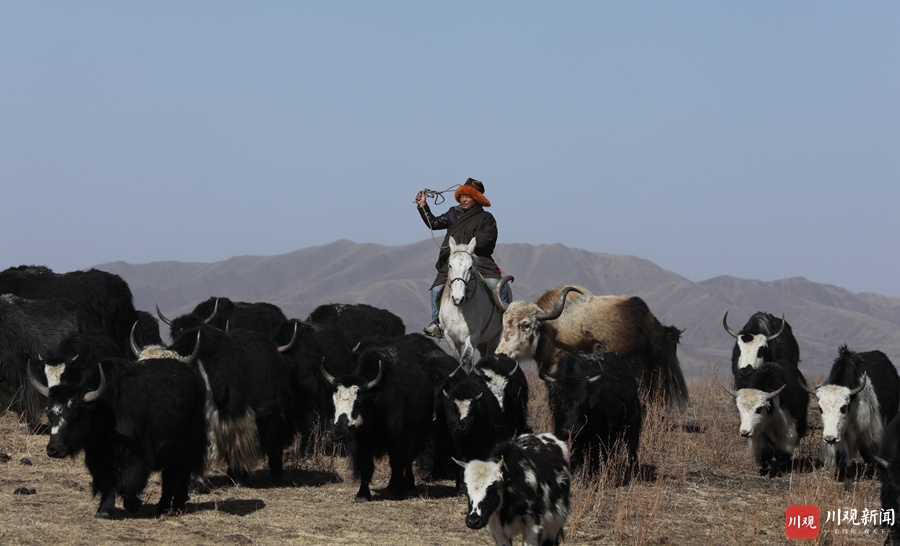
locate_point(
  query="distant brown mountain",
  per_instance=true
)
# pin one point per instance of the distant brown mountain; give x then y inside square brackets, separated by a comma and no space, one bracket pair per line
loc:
[397,278]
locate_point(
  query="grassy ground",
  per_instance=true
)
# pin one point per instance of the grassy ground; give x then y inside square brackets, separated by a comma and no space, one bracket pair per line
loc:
[699,485]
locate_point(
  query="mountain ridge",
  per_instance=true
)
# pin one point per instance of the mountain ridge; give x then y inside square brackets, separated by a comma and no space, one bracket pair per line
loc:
[397,278]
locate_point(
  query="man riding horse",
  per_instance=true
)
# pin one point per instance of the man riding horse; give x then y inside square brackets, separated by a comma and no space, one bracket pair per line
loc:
[462,222]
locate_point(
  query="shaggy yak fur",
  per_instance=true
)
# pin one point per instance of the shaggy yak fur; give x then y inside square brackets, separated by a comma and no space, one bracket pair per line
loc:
[563,320]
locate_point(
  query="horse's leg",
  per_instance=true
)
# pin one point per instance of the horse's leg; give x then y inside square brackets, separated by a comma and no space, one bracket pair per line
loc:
[468,355]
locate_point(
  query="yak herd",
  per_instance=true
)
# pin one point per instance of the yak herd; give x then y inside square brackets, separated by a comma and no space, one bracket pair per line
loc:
[240,381]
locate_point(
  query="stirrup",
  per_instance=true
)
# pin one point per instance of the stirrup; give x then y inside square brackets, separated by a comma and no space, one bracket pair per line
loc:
[434,330]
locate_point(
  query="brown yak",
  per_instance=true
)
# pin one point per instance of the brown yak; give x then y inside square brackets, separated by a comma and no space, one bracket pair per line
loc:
[569,318]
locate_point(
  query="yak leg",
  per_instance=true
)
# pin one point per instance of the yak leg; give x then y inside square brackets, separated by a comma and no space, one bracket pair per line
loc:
[106,486]
[132,481]
[765,460]
[168,490]
[365,469]
[107,504]
[402,478]
[175,481]
[276,464]
[104,479]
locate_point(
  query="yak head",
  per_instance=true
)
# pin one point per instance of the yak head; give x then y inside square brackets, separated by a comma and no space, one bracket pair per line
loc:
[753,348]
[462,403]
[522,322]
[570,398]
[754,407]
[349,392]
[484,482]
[834,403]
[69,411]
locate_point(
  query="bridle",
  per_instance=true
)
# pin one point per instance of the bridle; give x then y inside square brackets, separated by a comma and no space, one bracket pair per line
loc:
[470,291]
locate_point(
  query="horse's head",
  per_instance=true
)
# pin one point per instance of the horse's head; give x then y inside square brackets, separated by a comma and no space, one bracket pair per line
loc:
[459,272]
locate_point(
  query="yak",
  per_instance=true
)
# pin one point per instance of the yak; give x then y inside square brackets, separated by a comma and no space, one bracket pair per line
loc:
[252,410]
[569,318]
[859,398]
[104,300]
[595,402]
[773,411]
[385,407]
[890,476]
[357,321]
[29,329]
[225,314]
[522,488]
[130,419]
[507,382]
[764,338]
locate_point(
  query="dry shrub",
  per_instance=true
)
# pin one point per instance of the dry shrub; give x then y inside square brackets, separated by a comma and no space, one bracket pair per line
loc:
[315,453]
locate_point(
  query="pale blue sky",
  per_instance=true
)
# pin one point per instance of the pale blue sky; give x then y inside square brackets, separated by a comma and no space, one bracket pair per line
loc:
[754,139]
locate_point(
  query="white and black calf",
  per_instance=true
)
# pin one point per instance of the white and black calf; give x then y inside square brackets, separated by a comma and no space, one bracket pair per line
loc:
[521,489]
[859,398]
[773,412]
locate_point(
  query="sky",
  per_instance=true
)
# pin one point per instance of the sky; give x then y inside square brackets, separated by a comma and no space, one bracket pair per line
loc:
[759,140]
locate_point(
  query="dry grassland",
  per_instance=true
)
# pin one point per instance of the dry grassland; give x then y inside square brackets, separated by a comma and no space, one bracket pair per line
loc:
[699,485]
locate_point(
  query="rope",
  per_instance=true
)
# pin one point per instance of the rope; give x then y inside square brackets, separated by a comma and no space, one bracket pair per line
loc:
[439,198]
[434,194]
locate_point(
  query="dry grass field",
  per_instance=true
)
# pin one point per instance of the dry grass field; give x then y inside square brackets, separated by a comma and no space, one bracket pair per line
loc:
[698,485]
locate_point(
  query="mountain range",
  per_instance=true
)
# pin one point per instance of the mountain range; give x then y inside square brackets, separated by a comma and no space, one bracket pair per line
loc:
[397,278]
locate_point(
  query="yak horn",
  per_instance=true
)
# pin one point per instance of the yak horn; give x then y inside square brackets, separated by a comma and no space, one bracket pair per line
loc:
[547,378]
[213,315]
[162,317]
[377,379]
[862,385]
[732,392]
[328,377]
[134,346]
[778,333]
[557,309]
[290,343]
[727,329]
[196,351]
[44,390]
[94,395]
[771,395]
[809,389]
[498,300]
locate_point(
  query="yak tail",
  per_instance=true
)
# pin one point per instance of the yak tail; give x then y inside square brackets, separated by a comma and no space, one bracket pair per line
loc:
[674,385]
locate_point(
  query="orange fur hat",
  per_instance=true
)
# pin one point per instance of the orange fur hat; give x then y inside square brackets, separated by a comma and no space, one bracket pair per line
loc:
[474,189]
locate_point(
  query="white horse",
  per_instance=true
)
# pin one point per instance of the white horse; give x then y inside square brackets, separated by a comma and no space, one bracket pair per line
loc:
[469,316]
